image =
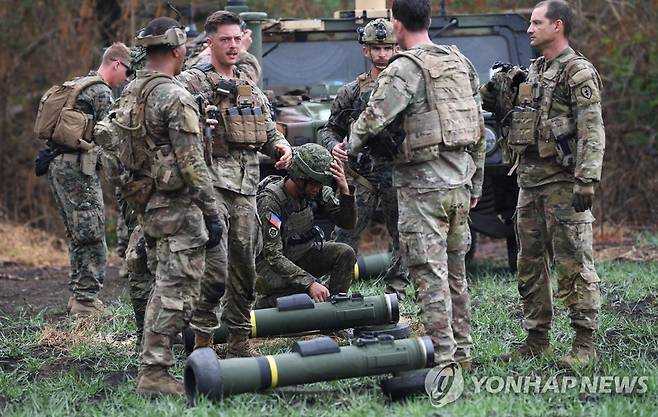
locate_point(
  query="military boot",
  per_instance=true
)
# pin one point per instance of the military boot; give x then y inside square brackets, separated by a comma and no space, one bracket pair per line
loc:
[202,340]
[536,344]
[582,350]
[238,346]
[156,380]
[79,308]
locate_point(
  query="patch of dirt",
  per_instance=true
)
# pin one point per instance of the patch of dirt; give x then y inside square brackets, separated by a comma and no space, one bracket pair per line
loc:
[34,289]
[639,309]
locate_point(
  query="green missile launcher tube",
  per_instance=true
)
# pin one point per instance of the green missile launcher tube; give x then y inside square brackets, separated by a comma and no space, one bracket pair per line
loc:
[371,266]
[298,313]
[310,361]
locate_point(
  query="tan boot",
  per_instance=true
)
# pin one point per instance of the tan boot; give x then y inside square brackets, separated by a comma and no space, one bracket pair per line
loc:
[536,344]
[238,346]
[79,308]
[202,340]
[156,380]
[582,351]
[466,365]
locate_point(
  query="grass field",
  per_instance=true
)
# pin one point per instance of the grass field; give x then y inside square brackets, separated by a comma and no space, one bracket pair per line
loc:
[50,366]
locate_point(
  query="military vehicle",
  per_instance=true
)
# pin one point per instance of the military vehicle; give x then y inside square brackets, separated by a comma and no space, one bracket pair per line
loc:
[305,61]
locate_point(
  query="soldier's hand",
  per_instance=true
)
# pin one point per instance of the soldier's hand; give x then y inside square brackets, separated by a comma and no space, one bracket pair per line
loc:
[318,292]
[474,202]
[215,230]
[583,197]
[338,173]
[338,152]
[285,155]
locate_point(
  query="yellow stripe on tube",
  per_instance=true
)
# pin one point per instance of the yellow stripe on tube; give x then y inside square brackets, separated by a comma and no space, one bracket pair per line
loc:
[253,324]
[273,371]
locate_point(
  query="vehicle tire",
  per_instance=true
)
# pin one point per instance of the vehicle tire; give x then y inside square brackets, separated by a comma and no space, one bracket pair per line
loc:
[203,375]
[512,253]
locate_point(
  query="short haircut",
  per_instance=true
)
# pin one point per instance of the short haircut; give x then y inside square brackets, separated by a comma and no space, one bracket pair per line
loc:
[558,9]
[414,14]
[220,18]
[116,52]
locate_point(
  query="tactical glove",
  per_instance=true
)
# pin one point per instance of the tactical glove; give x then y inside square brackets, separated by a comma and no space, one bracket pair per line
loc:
[583,196]
[140,248]
[215,230]
[488,94]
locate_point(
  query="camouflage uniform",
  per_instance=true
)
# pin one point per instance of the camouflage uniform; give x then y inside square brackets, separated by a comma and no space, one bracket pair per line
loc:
[435,182]
[375,168]
[230,266]
[76,186]
[549,231]
[247,64]
[294,253]
[173,221]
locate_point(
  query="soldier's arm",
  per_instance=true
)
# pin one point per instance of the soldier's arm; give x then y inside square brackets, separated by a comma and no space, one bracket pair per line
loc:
[274,137]
[249,66]
[272,252]
[338,124]
[102,101]
[396,86]
[585,84]
[183,121]
[477,151]
[340,210]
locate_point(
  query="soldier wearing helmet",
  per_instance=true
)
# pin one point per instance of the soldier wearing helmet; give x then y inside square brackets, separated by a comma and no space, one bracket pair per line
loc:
[295,255]
[371,171]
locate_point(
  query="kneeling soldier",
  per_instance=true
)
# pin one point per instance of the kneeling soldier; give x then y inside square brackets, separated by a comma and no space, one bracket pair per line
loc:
[295,254]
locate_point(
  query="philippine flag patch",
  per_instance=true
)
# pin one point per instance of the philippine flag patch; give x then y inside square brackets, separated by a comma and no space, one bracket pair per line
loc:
[275,220]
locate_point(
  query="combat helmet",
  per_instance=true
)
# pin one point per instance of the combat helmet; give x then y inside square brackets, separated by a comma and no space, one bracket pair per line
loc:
[376,32]
[311,162]
[173,37]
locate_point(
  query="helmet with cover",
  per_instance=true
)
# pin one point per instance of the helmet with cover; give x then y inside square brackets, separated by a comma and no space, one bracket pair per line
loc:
[378,31]
[311,162]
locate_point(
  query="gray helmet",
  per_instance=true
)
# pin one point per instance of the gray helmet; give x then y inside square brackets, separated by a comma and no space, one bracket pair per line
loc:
[377,31]
[311,162]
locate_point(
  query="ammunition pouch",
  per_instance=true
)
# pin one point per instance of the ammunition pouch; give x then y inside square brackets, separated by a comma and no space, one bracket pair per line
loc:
[165,172]
[523,122]
[245,125]
[562,131]
[137,191]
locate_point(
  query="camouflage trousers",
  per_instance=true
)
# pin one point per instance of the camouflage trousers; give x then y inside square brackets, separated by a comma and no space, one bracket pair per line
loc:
[178,259]
[367,201]
[123,231]
[435,237]
[230,267]
[551,233]
[79,198]
[335,259]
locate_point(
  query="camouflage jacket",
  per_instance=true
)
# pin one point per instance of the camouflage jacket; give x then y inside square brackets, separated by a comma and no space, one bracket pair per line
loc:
[401,90]
[238,169]
[349,103]
[95,100]
[172,118]
[576,95]
[275,208]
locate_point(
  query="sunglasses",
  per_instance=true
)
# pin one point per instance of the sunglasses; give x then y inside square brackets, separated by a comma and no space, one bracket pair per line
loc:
[129,70]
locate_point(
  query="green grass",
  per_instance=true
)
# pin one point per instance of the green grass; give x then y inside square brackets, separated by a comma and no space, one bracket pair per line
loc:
[95,375]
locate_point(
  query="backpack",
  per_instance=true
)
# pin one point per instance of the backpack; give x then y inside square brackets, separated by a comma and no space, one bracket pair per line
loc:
[59,121]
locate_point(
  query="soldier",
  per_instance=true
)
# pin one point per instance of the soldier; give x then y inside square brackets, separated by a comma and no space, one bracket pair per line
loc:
[438,172]
[559,162]
[245,127]
[295,254]
[372,171]
[168,184]
[75,183]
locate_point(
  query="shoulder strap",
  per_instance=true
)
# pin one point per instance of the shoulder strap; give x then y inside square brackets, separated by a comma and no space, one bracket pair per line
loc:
[426,75]
[146,89]
[79,85]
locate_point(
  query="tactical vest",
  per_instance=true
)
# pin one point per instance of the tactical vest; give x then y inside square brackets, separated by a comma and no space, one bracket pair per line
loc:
[297,230]
[58,119]
[534,125]
[452,121]
[149,161]
[242,120]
